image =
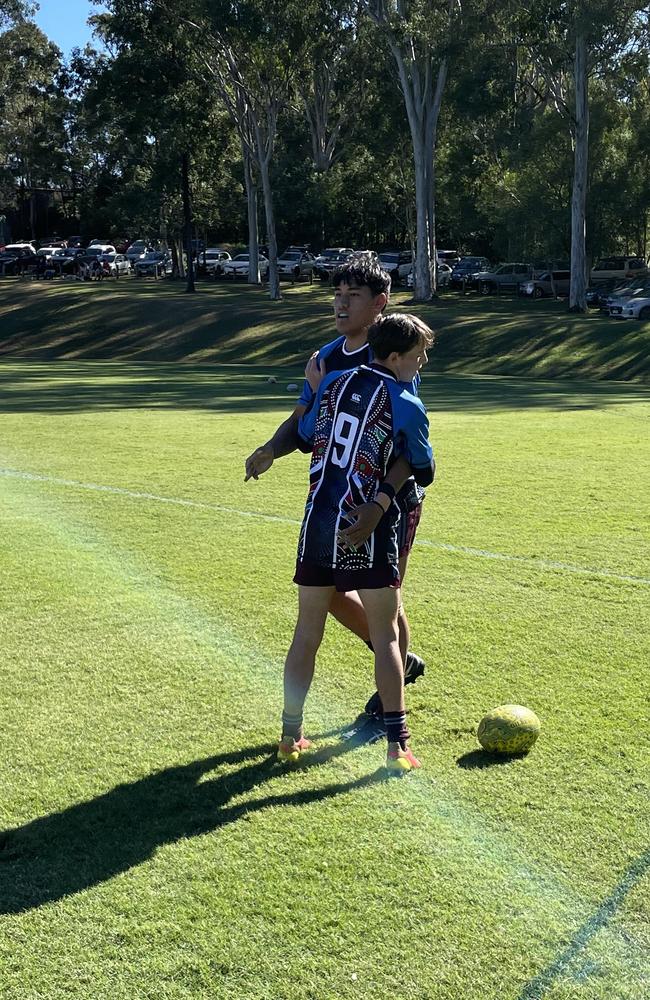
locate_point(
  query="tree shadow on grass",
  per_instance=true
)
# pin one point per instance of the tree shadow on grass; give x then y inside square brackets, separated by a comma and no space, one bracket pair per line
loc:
[90,842]
[543,982]
[86,386]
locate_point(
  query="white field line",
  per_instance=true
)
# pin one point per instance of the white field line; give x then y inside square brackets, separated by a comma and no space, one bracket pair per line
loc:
[463,550]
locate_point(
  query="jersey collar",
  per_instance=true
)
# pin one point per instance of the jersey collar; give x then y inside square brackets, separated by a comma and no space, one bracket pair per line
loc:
[375,366]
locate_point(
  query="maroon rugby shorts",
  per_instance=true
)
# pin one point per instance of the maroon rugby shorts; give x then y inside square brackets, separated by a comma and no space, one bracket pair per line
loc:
[312,575]
[406,528]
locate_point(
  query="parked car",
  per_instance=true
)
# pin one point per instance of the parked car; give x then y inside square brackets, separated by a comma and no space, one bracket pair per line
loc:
[47,251]
[115,264]
[65,259]
[466,267]
[627,268]
[51,241]
[211,261]
[637,306]
[330,258]
[99,249]
[618,299]
[136,250]
[155,263]
[548,283]
[444,276]
[450,257]
[398,263]
[16,258]
[238,266]
[296,264]
[76,241]
[507,277]
[599,291]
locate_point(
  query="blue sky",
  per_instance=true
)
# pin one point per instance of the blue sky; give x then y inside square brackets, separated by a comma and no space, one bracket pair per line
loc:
[64,22]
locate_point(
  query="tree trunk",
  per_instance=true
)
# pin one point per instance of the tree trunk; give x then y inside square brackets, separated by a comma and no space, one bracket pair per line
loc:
[251,206]
[577,295]
[422,283]
[274,279]
[187,215]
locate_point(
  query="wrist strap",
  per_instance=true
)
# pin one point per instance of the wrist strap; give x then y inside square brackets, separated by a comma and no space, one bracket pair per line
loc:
[387,490]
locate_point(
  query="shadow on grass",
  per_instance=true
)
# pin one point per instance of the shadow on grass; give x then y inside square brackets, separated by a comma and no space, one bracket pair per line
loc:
[480,759]
[542,983]
[134,321]
[83,386]
[90,842]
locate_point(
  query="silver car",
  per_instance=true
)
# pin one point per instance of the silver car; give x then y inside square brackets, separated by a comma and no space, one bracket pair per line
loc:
[296,264]
[538,288]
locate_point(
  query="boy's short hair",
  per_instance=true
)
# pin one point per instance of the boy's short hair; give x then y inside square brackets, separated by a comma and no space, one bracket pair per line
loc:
[398,332]
[363,269]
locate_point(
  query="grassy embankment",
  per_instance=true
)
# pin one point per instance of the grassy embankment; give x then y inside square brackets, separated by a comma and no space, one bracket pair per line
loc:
[147,321]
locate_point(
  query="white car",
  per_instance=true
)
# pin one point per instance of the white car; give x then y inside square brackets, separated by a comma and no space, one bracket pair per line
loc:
[444,276]
[100,249]
[622,297]
[116,264]
[637,307]
[213,260]
[48,252]
[238,266]
[398,263]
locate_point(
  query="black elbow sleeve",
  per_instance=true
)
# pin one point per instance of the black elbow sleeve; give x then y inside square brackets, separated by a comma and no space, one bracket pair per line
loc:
[424,476]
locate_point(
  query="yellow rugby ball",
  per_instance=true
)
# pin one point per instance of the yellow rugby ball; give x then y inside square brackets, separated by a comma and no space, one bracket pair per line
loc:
[508,729]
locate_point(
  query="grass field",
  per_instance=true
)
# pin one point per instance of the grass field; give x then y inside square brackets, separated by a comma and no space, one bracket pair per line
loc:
[152,849]
[157,321]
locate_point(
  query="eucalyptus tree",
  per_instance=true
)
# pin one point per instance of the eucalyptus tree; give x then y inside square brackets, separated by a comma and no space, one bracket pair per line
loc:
[253,50]
[573,43]
[420,37]
[32,110]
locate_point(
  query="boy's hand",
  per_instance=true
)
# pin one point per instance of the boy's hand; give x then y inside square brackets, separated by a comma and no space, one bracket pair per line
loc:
[260,461]
[315,372]
[365,519]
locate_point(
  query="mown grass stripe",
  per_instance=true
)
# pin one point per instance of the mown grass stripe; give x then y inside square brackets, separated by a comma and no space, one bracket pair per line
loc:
[537,564]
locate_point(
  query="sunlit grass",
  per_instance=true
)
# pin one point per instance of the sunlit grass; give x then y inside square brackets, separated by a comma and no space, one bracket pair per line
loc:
[152,849]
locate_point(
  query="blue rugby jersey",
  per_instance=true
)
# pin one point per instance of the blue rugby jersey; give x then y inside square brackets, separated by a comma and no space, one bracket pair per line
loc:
[338,359]
[358,422]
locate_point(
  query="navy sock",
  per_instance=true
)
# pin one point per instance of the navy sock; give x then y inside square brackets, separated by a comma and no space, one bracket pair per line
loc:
[291,726]
[396,728]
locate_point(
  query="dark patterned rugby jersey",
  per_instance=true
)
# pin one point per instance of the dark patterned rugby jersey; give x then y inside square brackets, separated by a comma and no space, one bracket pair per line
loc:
[358,421]
[337,359]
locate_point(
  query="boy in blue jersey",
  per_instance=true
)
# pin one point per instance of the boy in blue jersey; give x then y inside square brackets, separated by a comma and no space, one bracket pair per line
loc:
[361,294]
[357,426]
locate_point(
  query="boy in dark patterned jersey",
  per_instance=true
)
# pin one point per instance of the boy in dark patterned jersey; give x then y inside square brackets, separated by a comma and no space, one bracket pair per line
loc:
[357,425]
[362,288]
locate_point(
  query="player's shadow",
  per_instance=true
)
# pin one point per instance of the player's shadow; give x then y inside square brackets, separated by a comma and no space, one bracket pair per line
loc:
[90,842]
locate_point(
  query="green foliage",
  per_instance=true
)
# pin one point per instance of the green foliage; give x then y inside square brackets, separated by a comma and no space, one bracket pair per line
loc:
[108,129]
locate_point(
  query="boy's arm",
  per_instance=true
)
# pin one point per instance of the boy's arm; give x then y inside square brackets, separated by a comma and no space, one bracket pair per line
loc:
[368,515]
[284,441]
[286,438]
